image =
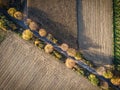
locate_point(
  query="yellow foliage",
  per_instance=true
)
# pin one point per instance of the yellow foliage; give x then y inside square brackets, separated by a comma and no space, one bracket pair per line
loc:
[64,47]
[27,34]
[116,81]
[33,25]
[70,63]
[48,48]
[11,11]
[42,32]
[28,21]
[108,74]
[37,42]
[71,52]
[78,56]
[18,15]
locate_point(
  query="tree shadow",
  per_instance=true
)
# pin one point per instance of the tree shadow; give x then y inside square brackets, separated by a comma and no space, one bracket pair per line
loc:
[58,30]
[84,41]
[98,58]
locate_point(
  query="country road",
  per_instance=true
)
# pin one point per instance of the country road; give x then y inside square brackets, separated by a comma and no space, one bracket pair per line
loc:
[24,67]
[93,32]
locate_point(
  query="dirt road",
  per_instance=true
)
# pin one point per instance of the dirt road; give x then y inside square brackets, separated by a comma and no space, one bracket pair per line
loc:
[94,33]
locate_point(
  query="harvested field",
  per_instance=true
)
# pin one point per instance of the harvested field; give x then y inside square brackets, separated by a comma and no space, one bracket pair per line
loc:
[25,67]
[96,30]
[57,17]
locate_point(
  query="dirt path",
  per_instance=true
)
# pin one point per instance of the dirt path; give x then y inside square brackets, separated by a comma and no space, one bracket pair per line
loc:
[25,67]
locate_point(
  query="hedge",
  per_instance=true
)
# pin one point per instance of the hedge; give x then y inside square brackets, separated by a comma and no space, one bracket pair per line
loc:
[116,28]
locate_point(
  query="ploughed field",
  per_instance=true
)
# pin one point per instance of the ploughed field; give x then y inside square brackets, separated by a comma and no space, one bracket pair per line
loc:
[24,67]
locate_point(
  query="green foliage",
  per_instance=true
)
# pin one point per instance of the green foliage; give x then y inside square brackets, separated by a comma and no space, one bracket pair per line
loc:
[78,56]
[81,71]
[6,24]
[2,35]
[51,38]
[118,67]
[93,79]
[57,54]
[41,45]
[108,74]
[116,22]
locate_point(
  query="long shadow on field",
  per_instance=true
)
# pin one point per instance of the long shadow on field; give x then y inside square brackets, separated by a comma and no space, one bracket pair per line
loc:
[57,29]
[84,41]
[60,31]
[86,45]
